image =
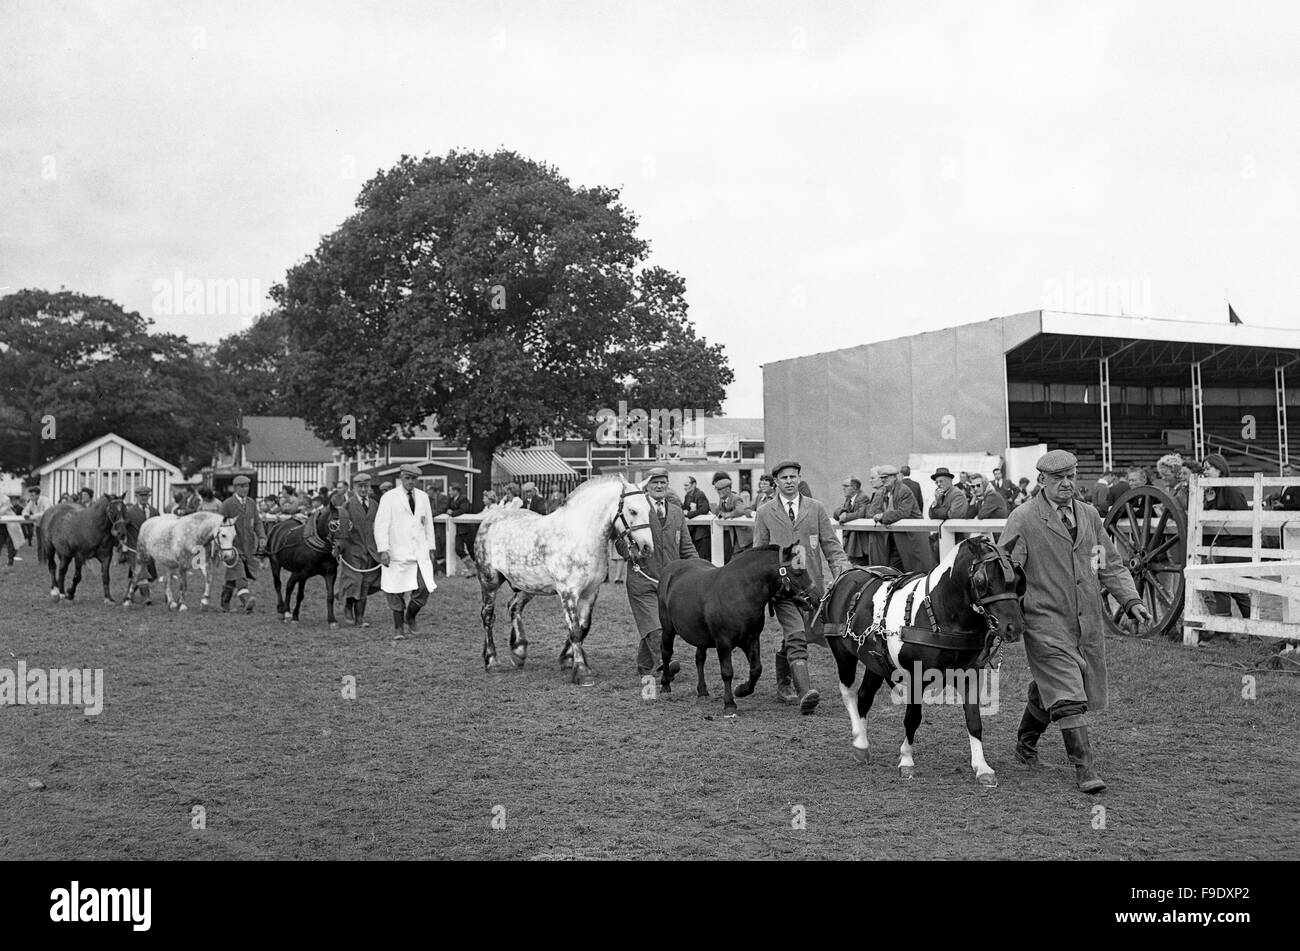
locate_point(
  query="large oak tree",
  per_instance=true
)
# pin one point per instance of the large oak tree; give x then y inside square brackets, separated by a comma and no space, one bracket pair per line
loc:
[487,291]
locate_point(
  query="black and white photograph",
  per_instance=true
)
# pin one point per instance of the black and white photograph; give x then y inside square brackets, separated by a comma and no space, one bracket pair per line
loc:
[651,432]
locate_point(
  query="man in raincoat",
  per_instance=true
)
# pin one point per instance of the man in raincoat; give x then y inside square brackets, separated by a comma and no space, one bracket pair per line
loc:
[404,537]
[1059,542]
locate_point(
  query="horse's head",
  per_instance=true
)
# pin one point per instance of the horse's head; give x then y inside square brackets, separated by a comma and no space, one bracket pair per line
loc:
[993,583]
[128,535]
[225,542]
[632,519]
[115,516]
[795,584]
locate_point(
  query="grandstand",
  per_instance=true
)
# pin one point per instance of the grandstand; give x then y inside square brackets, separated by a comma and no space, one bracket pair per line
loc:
[1116,391]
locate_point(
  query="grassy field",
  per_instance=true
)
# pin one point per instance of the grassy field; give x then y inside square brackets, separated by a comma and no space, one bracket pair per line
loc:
[245,716]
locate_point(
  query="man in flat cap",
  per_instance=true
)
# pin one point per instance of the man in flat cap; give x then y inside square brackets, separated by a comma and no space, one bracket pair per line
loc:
[250,541]
[1059,542]
[795,519]
[144,501]
[354,547]
[404,537]
[906,551]
[672,541]
[729,505]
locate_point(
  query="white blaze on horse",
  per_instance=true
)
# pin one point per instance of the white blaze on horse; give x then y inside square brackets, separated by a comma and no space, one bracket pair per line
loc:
[175,543]
[565,553]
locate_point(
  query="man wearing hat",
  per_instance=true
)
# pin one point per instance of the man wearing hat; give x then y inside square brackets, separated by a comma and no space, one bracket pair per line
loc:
[404,536]
[180,499]
[354,547]
[144,500]
[906,551]
[457,505]
[792,518]
[729,505]
[37,505]
[250,541]
[853,507]
[1053,537]
[671,542]
[695,504]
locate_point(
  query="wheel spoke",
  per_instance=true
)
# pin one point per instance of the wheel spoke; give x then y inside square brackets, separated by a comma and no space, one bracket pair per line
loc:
[1163,547]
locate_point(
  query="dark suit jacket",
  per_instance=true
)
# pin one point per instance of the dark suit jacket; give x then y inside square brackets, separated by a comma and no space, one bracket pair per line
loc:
[1116,491]
[1101,498]
[916,493]
[460,506]
[855,543]
[536,504]
[993,505]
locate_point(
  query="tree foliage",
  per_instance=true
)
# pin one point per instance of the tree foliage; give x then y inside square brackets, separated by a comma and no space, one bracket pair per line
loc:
[487,291]
[252,363]
[74,367]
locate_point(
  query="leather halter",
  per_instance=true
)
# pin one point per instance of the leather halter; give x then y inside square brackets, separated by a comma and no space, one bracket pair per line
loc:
[619,516]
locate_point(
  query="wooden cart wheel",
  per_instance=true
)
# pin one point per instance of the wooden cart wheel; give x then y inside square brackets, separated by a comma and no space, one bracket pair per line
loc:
[1149,530]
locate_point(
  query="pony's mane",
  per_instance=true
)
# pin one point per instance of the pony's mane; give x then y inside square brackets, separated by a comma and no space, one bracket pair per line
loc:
[584,488]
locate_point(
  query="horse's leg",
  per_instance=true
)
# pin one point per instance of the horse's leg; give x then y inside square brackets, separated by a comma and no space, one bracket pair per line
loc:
[724,664]
[301,578]
[754,654]
[76,576]
[846,664]
[184,586]
[518,641]
[668,635]
[573,613]
[984,774]
[488,585]
[104,564]
[331,576]
[701,688]
[280,607]
[56,588]
[911,720]
[206,569]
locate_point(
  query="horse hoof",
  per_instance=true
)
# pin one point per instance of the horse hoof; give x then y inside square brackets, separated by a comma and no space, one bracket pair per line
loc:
[988,780]
[744,690]
[126,605]
[54,593]
[729,711]
[334,625]
[861,756]
[583,678]
[518,658]
[109,601]
[907,772]
[182,608]
[490,664]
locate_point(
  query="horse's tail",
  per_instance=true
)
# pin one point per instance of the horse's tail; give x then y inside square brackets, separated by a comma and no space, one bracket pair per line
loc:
[44,547]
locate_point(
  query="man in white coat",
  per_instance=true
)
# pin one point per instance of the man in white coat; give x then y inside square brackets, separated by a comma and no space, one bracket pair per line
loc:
[404,537]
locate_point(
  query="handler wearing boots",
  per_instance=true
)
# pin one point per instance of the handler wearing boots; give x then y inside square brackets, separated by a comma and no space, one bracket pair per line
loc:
[791,519]
[404,537]
[1059,542]
[672,541]
[250,541]
[354,547]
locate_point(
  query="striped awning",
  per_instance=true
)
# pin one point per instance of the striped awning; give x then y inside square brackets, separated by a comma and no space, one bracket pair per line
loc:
[522,463]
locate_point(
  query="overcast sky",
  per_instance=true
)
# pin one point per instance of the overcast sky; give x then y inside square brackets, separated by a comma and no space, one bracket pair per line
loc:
[822,174]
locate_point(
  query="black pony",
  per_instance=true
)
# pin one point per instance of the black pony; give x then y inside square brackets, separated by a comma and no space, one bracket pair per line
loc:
[304,549]
[723,608]
[75,533]
[924,630]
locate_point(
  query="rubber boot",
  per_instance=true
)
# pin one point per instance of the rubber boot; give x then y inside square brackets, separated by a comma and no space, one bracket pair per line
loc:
[349,606]
[227,592]
[399,623]
[247,601]
[359,613]
[785,691]
[1031,728]
[411,612]
[808,697]
[1080,754]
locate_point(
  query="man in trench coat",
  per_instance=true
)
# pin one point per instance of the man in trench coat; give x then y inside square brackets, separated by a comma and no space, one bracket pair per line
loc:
[404,536]
[907,551]
[250,542]
[354,547]
[672,541]
[792,518]
[1059,542]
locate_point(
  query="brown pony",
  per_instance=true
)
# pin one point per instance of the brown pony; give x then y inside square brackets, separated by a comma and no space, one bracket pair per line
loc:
[77,533]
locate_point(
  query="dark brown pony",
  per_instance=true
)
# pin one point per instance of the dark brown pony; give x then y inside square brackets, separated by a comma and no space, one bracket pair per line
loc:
[304,549]
[76,533]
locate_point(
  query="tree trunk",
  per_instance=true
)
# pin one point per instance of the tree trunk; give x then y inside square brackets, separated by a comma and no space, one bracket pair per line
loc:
[480,454]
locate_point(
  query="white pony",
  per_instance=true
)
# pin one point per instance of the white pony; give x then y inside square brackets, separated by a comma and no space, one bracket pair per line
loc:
[564,553]
[174,543]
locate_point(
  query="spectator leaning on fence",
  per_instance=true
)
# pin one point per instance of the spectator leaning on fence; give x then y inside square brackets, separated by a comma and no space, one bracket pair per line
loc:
[37,505]
[907,551]
[853,507]
[1232,499]
[987,503]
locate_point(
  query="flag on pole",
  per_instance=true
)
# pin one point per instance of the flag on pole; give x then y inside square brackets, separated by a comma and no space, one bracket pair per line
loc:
[1232,315]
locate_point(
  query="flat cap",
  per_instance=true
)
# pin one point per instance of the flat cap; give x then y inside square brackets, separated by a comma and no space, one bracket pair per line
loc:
[240,480]
[409,469]
[385,486]
[360,479]
[1057,462]
[658,472]
[786,464]
[720,477]
[143,490]
[883,471]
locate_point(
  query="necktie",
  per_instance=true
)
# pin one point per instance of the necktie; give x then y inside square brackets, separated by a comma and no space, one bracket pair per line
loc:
[790,505]
[410,497]
[659,507]
[1067,516]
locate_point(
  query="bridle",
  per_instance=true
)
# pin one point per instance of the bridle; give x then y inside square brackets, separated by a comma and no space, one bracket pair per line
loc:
[621,516]
[1013,579]
[787,591]
[221,550]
